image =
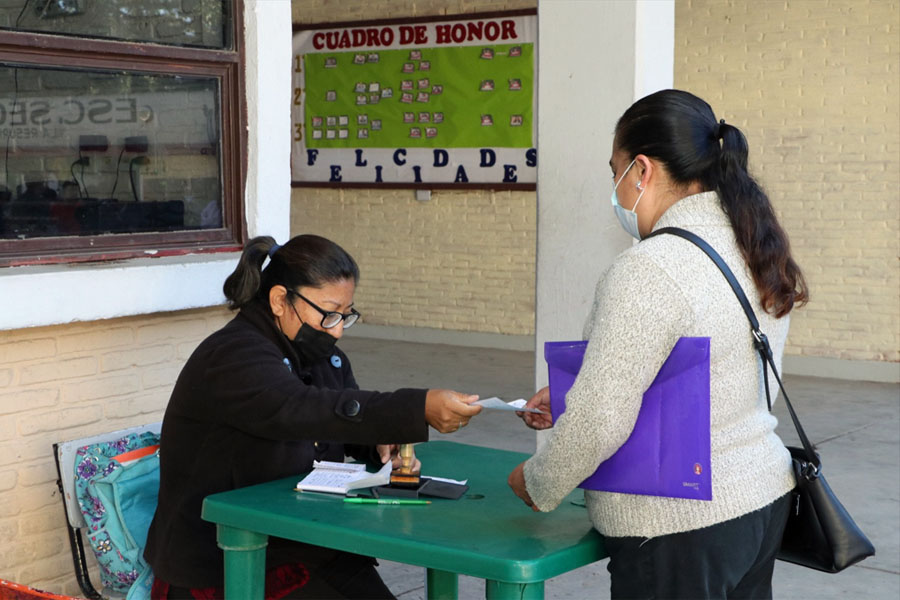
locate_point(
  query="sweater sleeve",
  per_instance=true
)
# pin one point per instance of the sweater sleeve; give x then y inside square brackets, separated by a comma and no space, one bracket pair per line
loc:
[638,315]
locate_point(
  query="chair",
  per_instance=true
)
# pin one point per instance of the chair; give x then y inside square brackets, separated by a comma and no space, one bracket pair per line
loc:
[65,468]
[16,591]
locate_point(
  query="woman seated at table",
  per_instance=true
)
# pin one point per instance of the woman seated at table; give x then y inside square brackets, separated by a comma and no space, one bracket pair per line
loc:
[264,397]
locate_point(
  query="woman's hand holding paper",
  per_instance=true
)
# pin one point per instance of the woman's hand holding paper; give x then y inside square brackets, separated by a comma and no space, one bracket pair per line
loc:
[540,401]
[448,411]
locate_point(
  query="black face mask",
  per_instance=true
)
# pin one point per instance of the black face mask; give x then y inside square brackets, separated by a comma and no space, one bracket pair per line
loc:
[313,345]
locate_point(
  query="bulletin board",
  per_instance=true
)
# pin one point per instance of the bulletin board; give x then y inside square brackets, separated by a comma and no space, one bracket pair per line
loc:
[418,103]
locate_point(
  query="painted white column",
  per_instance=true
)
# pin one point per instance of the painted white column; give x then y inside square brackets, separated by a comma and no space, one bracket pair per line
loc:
[595,59]
[654,46]
[267,45]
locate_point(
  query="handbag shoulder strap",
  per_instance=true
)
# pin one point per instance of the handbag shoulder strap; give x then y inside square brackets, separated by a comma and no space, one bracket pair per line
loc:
[760,341]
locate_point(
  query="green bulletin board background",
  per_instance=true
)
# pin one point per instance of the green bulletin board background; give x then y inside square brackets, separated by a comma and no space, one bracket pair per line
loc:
[460,70]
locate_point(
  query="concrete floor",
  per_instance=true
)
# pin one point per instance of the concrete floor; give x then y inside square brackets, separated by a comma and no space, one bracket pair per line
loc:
[856,426]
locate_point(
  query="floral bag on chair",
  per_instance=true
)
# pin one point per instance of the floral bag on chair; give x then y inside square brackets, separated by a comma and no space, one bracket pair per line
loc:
[117,484]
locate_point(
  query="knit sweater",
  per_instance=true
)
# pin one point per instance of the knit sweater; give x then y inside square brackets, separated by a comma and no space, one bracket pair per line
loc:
[656,292]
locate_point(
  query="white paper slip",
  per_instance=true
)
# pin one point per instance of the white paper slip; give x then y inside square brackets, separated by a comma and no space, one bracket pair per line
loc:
[498,404]
[339,478]
[445,480]
[339,466]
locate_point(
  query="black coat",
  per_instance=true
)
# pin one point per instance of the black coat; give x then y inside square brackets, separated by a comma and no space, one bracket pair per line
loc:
[244,410]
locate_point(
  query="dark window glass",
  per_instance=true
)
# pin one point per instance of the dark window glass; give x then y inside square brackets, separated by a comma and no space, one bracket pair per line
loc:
[93,152]
[122,129]
[197,23]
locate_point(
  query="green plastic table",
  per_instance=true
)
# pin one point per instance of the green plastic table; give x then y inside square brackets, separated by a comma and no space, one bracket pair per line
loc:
[488,533]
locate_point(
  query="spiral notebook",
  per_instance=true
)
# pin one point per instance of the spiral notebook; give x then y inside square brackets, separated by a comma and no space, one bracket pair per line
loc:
[668,452]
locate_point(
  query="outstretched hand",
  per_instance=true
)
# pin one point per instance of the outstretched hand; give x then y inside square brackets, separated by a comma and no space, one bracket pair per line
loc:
[448,411]
[540,401]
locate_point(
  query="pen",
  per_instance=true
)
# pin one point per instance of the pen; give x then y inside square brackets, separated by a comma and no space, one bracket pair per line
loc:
[385,501]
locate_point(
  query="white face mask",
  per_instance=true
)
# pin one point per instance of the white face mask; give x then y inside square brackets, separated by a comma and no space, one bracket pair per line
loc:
[627,218]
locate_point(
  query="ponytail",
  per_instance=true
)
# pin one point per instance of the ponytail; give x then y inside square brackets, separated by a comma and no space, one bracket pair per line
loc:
[680,130]
[304,261]
[243,284]
[760,237]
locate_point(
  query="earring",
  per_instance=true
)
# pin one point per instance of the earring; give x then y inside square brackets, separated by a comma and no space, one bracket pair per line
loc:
[638,185]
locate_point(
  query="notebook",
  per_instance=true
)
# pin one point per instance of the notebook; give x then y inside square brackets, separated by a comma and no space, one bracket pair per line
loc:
[339,478]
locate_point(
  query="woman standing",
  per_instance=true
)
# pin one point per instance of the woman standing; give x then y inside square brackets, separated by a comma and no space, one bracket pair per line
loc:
[674,165]
[264,397]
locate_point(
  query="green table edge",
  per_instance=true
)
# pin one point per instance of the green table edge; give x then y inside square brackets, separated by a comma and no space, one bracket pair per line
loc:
[485,567]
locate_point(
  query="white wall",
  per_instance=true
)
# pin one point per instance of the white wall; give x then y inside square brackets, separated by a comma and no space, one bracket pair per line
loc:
[268,79]
[596,58]
[49,295]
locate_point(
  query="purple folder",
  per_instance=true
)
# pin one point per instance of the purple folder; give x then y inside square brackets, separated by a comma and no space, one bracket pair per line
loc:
[667,453]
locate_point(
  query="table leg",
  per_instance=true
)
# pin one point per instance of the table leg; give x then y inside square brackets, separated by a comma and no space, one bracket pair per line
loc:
[441,585]
[501,590]
[245,562]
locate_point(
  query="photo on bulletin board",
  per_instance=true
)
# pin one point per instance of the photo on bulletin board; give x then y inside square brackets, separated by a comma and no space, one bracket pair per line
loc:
[428,102]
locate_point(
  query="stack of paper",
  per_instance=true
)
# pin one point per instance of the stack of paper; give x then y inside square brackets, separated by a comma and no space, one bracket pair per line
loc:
[339,478]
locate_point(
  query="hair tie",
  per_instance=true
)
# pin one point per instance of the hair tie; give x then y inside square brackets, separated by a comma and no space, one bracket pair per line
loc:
[718,131]
[275,247]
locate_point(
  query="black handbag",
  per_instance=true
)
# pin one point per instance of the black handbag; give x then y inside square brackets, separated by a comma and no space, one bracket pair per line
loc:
[820,534]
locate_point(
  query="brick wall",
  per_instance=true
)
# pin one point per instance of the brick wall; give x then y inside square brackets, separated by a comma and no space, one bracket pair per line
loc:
[67,382]
[462,261]
[814,85]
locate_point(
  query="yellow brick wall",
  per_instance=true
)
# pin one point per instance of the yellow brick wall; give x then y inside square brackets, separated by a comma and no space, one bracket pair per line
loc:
[67,382]
[814,86]
[463,261]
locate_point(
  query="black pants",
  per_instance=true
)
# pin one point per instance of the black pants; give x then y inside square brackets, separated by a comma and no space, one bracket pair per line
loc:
[733,560]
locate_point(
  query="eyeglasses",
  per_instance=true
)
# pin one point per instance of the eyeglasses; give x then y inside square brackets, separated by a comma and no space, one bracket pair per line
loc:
[331,318]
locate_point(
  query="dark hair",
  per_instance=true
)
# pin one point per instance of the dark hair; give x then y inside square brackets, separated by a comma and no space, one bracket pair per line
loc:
[305,261]
[680,130]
